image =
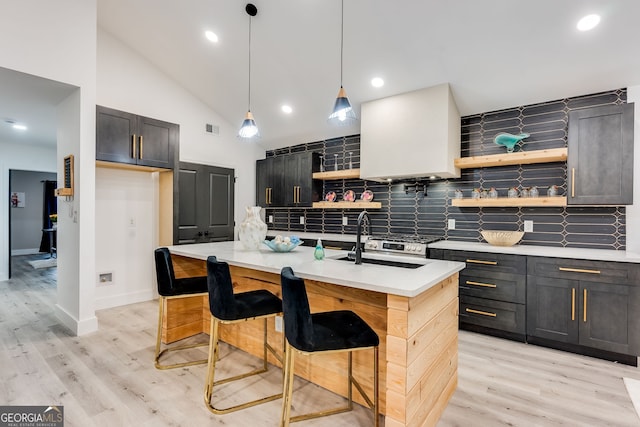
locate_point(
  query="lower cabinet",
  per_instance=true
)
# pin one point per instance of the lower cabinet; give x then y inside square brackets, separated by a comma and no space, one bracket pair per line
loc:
[586,303]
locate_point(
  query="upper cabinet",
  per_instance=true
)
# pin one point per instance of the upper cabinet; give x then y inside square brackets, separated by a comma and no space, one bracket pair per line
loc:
[287,181]
[600,160]
[123,137]
[414,134]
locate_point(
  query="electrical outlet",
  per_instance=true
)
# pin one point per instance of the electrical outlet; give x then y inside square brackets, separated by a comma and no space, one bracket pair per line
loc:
[451,224]
[302,220]
[345,220]
[105,279]
[271,219]
[279,324]
[528,226]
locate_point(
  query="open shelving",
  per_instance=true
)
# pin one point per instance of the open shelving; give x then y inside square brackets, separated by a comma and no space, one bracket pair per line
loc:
[517,158]
[347,205]
[333,175]
[511,201]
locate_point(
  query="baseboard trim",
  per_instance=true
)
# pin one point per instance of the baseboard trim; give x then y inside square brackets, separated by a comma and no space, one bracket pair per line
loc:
[124,299]
[77,327]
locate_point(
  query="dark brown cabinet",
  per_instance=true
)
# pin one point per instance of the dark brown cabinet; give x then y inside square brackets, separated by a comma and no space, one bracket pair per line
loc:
[492,292]
[204,200]
[287,181]
[123,137]
[600,156]
[592,304]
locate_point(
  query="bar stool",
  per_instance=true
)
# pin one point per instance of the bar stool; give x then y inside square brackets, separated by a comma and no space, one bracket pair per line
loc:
[171,288]
[227,308]
[328,332]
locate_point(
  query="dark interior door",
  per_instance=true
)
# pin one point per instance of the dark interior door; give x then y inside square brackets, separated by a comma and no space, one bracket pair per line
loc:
[205,199]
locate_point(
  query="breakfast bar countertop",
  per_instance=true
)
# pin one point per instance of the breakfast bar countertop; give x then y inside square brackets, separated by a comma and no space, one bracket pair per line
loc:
[386,279]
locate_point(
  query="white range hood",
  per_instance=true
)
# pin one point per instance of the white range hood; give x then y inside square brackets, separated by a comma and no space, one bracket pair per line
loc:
[411,135]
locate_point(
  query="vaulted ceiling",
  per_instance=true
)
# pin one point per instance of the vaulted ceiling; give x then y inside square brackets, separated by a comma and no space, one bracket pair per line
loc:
[494,53]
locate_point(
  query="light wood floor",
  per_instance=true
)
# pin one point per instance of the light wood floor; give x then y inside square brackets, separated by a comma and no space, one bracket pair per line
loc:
[107,378]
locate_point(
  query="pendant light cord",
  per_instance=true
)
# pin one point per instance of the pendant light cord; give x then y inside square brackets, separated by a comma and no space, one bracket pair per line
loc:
[341,41]
[249,97]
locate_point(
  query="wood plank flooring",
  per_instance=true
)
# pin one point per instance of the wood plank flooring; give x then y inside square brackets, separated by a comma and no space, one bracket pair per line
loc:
[107,378]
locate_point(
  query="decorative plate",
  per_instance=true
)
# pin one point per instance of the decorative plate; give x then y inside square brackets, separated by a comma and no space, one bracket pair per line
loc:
[366,196]
[349,196]
[330,196]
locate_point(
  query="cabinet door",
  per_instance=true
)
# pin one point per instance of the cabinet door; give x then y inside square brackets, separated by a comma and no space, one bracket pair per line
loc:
[600,155]
[605,317]
[263,184]
[205,197]
[309,189]
[116,136]
[553,308]
[291,176]
[157,143]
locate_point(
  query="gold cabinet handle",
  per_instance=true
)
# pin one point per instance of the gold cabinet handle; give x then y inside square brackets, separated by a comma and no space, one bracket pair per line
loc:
[478,261]
[578,270]
[486,285]
[266,195]
[133,145]
[333,247]
[270,195]
[573,182]
[573,303]
[584,307]
[141,147]
[483,313]
[299,190]
[294,194]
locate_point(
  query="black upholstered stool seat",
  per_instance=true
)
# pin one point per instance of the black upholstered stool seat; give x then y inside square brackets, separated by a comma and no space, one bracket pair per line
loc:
[229,308]
[169,288]
[331,331]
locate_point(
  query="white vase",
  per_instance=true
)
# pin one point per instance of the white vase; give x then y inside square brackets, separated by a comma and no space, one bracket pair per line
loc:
[253,230]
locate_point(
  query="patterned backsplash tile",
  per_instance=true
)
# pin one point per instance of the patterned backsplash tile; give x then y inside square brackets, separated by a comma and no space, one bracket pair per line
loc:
[409,212]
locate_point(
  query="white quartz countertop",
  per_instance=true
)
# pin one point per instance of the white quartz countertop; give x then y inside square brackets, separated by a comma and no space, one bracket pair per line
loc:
[371,277]
[545,251]
[304,235]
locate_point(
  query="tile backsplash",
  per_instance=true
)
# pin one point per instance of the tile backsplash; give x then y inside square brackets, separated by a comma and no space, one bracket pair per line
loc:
[407,209]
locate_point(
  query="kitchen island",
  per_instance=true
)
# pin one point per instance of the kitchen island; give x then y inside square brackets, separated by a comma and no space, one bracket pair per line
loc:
[414,311]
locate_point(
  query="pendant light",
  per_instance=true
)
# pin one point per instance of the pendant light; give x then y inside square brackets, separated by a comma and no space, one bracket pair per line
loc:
[249,129]
[343,113]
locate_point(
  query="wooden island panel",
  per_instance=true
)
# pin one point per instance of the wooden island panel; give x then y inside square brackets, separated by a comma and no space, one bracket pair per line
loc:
[418,339]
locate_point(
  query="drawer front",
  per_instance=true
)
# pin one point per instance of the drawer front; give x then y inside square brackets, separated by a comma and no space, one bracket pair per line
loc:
[616,273]
[496,286]
[504,316]
[515,264]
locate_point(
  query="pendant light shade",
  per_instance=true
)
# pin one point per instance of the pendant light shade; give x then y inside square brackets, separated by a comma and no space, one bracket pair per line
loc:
[343,113]
[249,129]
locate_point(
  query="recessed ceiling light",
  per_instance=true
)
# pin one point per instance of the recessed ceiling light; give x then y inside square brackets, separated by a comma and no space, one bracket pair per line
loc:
[19,127]
[589,22]
[287,109]
[377,82]
[211,36]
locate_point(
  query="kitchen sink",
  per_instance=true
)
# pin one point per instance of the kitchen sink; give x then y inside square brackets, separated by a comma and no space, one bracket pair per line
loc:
[388,262]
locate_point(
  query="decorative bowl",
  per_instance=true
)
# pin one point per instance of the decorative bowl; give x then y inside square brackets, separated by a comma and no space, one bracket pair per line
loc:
[502,237]
[282,246]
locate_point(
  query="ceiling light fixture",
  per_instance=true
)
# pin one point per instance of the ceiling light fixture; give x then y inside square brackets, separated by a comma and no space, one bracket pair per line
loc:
[287,109]
[249,129]
[19,127]
[589,22]
[343,113]
[377,82]
[213,37]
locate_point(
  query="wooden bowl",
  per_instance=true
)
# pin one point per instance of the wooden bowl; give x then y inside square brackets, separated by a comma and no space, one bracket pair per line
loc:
[502,237]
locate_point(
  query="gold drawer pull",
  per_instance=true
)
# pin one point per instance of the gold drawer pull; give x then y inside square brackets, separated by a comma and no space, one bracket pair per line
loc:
[573,303]
[584,311]
[486,285]
[133,146]
[484,313]
[141,147]
[578,270]
[333,247]
[478,261]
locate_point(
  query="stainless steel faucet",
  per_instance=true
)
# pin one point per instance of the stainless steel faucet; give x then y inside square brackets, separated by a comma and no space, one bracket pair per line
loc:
[359,248]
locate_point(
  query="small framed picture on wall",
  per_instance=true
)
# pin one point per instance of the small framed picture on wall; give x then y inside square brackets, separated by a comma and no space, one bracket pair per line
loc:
[17,199]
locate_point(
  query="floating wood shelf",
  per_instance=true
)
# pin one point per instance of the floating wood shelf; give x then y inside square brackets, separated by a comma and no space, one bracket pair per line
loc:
[507,201]
[347,205]
[343,174]
[518,158]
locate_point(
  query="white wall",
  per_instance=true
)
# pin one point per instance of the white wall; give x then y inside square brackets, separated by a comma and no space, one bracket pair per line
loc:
[126,81]
[23,157]
[633,211]
[57,40]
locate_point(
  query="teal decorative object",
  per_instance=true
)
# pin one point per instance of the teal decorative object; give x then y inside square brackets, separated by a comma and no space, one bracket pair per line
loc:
[509,140]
